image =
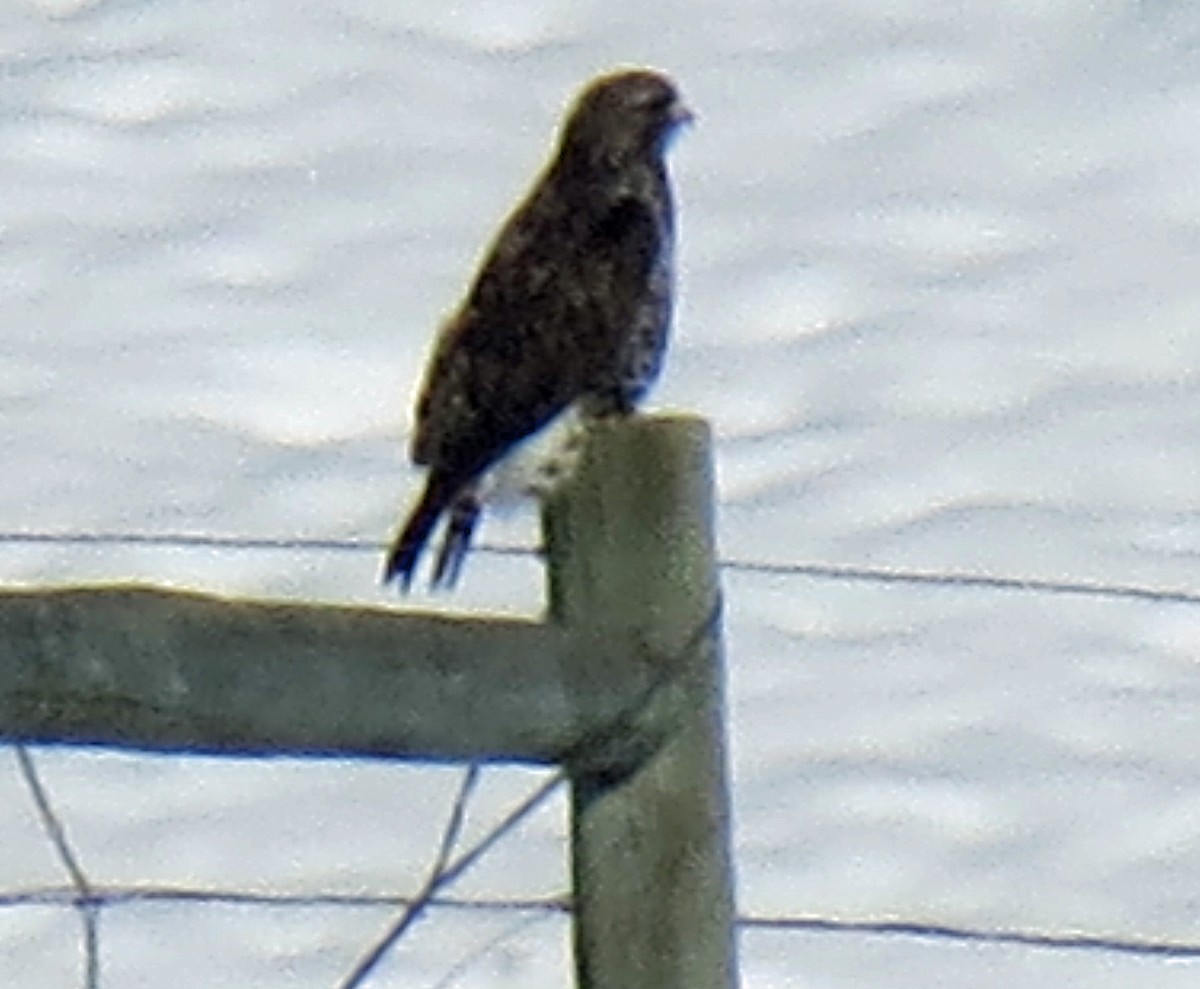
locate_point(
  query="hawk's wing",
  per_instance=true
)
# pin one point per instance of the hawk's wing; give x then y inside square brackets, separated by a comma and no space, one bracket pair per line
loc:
[544,324]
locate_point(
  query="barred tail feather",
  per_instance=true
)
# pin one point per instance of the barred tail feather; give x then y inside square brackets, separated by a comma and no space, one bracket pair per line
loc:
[464,514]
[405,553]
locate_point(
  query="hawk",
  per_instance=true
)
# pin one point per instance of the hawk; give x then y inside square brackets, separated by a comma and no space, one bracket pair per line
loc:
[566,320]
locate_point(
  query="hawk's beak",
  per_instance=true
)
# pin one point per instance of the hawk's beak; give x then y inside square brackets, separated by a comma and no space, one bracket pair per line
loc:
[681,115]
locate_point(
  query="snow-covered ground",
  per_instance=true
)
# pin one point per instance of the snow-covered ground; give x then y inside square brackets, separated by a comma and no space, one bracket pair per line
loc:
[939,294]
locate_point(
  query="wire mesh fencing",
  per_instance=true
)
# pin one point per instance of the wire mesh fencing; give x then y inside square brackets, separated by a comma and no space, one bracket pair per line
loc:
[91,902]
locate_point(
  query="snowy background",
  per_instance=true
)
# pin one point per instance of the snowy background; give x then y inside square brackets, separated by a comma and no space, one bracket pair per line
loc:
[940,271]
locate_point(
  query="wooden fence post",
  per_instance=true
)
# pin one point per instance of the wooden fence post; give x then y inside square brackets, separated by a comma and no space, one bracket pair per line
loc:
[632,575]
[623,685]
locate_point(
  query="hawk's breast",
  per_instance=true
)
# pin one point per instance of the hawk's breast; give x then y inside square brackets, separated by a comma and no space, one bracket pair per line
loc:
[542,461]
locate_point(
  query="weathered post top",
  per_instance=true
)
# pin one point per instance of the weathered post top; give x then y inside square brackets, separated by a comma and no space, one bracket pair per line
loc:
[633,578]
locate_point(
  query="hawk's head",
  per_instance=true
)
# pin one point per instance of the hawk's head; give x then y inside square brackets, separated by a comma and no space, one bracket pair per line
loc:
[624,115]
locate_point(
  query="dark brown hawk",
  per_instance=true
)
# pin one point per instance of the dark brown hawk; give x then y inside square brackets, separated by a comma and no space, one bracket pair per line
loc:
[566,321]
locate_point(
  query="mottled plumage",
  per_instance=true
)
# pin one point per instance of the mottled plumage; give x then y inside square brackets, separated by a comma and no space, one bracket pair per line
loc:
[566,319]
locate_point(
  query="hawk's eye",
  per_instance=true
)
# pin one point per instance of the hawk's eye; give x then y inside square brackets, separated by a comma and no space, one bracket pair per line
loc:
[662,103]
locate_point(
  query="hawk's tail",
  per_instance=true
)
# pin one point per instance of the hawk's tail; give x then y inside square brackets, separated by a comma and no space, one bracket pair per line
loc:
[406,550]
[464,514]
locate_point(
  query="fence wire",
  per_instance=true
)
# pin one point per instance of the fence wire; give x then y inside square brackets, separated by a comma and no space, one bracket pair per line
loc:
[89,900]
[846,573]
